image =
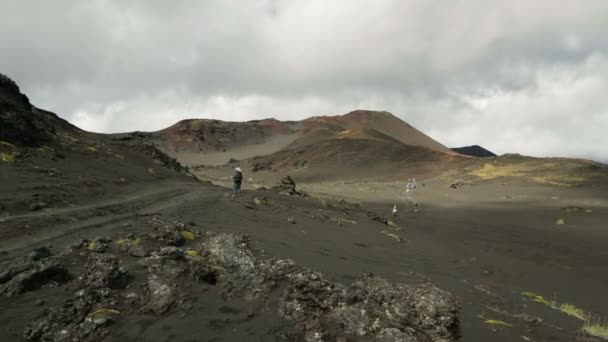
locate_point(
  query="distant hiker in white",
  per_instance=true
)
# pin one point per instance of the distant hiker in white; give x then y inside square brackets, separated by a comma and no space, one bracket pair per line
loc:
[409,194]
[238,180]
[394,210]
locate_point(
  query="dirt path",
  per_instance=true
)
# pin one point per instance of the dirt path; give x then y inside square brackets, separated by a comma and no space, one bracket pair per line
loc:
[70,224]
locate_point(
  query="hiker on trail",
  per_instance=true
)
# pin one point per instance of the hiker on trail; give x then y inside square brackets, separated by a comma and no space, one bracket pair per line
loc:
[394,210]
[238,180]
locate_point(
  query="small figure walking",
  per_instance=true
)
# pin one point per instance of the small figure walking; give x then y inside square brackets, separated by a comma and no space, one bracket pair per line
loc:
[238,180]
[394,210]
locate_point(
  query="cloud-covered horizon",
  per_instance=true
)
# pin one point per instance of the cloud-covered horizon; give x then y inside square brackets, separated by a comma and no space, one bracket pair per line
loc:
[518,76]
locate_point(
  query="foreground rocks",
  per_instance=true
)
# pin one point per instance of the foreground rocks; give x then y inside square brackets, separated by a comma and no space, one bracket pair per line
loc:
[161,281]
[30,275]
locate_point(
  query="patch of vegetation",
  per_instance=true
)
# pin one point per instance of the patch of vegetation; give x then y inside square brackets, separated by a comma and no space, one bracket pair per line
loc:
[596,329]
[560,173]
[573,311]
[128,242]
[539,299]
[192,253]
[491,171]
[187,235]
[44,149]
[8,152]
[115,155]
[7,157]
[91,149]
[66,138]
[591,327]
[496,322]
[106,312]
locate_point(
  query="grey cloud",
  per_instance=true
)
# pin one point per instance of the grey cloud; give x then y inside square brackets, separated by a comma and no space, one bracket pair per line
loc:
[106,64]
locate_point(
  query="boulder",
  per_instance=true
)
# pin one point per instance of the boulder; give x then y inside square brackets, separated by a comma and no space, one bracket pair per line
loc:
[287,186]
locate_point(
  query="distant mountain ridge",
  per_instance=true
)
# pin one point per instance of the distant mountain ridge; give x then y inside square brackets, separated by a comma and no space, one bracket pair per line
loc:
[474,151]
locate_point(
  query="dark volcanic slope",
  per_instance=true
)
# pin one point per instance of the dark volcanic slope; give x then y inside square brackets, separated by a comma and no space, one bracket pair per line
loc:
[474,151]
[23,124]
[45,162]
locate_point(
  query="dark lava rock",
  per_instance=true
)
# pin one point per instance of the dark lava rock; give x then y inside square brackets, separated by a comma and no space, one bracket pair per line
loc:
[287,186]
[371,308]
[137,251]
[162,295]
[102,271]
[168,233]
[40,253]
[75,321]
[32,276]
[165,267]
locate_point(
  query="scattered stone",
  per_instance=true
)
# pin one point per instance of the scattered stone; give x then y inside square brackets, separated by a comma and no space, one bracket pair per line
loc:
[456,185]
[137,251]
[40,253]
[376,217]
[35,206]
[394,236]
[40,302]
[532,320]
[260,201]
[573,209]
[291,220]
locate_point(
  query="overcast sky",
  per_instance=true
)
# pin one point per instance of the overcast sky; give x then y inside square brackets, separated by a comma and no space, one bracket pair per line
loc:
[513,76]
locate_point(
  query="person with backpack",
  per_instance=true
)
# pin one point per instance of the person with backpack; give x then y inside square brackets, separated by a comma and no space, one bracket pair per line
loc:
[238,180]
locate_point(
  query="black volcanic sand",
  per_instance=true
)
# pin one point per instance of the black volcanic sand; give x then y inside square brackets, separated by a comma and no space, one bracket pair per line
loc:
[479,245]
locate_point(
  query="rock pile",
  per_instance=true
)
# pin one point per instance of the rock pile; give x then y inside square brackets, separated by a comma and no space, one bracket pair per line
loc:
[287,186]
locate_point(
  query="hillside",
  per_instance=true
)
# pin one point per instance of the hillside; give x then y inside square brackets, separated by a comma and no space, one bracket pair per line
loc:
[360,144]
[106,238]
[45,162]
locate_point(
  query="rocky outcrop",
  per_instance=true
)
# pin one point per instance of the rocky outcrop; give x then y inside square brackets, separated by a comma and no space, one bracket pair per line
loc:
[287,186]
[314,307]
[87,315]
[20,122]
[371,308]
